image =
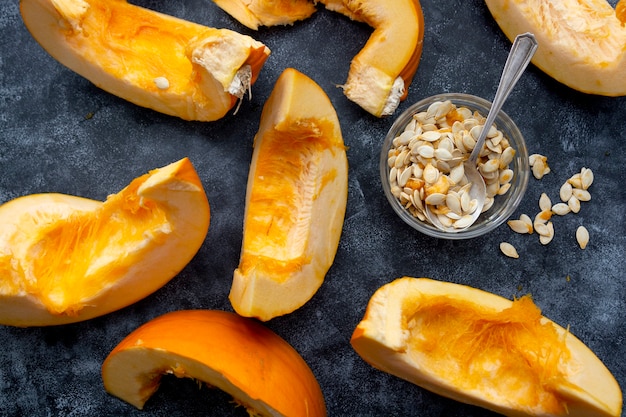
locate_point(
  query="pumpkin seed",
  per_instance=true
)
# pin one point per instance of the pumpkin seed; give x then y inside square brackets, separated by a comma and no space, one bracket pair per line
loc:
[544,202]
[561,209]
[576,181]
[506,175]
[404,177]
[464,221]
[565,192]
[574,204]
[582,236]
[435,199]
[509,250]
[586,177]
[162,83]
[543,216]
[431,136]
[542,228]
[426,162]
[504,188]
[519,226]
[431,174]
[546,238]
[539,165]
[581,194]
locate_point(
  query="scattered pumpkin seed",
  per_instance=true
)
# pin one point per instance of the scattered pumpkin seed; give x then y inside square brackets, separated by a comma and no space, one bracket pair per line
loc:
[546,237]
[581,194]
[586,177]
[561,209]
[574,204]
[509,250]
[520,226]
[539,165]
[565,192]
[544,202]
[582,236]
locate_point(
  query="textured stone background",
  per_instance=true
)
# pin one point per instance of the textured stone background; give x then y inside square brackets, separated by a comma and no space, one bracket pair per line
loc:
[48,144]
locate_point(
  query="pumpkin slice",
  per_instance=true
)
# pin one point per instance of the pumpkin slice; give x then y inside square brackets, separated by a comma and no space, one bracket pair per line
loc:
[295,200]
[255,13]
[237,355]
[380,74]
[153,60]
[581,44]
[65,259]
[482,349]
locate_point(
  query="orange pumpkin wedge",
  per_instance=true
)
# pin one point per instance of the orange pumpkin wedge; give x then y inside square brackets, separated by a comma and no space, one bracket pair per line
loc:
[479,348]
[256,13]
[240,356]
[151,59]
[65,259]
[380,74]
[581,44]
[295,201]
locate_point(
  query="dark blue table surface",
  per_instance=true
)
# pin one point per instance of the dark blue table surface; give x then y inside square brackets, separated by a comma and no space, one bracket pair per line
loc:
[60,133]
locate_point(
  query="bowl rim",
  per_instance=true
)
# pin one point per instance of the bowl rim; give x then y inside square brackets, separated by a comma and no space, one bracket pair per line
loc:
[501,119]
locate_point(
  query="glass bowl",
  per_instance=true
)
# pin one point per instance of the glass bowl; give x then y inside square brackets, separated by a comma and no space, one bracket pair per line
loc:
[503,205]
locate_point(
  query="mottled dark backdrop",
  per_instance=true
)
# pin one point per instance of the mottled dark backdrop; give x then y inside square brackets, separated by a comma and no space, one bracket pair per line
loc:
[59,133]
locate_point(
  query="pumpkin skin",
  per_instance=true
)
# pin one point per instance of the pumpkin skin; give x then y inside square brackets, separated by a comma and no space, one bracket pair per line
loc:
[66,259]
[581,44]
[151,59]
[295,201]
[237,355]
[255,13]
[482,349]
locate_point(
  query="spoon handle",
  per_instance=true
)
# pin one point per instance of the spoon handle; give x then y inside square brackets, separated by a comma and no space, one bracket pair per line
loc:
[522,51]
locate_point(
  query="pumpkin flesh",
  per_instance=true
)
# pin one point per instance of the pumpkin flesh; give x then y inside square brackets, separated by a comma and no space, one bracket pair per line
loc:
[237,355]
[130,52]
[581,44]
[255,13]
[65,259]
[482,349]
[380,74]
[295,201]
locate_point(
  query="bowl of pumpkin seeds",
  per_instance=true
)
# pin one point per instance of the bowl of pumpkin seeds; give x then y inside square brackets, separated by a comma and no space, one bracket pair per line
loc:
[421,163]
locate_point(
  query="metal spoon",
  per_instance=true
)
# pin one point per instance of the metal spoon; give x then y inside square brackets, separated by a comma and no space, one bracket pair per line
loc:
[521,52]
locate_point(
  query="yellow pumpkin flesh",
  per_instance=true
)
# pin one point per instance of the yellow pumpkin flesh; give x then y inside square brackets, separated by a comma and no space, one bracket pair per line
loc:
[380,74]
[295,200]
[65,259]
[151,59]
[255,13]
[482,349]
[581,44]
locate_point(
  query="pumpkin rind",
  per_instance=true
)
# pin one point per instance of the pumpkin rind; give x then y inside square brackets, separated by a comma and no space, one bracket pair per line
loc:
[237,355]
[65,259]
[580,44]
[295,201]
[256,13]
[499,374]
[151,59]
